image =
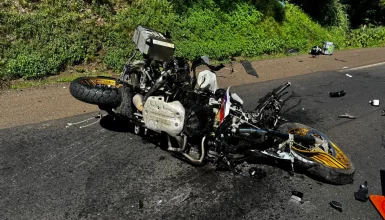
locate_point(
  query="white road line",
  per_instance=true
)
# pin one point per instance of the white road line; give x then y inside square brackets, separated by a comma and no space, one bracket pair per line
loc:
[362,67]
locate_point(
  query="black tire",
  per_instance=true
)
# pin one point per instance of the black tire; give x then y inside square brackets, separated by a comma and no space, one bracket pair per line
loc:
[98,90]
[309,163]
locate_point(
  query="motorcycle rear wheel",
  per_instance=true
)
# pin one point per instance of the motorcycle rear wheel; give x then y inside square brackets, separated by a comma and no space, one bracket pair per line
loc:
[99,90]
[332,167]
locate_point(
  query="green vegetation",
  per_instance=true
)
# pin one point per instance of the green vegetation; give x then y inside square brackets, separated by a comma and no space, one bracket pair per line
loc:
[41,38]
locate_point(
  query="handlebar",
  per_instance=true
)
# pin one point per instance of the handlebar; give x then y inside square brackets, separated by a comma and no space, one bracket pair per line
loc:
[282,88]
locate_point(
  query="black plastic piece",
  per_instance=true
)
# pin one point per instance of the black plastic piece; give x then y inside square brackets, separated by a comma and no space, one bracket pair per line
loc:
[315,50]
[337,94]
[336,205]
[249,68]
[362,193]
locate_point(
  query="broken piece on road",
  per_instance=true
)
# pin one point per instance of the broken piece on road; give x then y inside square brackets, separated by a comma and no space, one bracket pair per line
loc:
[249,68]
[346,115]
[362,193]
[375,102]
[336,205]
[337,94]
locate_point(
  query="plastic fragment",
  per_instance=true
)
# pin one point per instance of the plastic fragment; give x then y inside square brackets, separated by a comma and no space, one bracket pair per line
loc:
[257,173]
[296,197]
[336,205]
[337,94]
[375,102]
[362,193]
[346,115]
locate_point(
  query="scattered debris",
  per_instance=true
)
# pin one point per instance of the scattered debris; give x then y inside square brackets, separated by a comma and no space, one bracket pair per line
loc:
[232,61]
[316,50]
[64,87]
[345,67]
[257,173]
[375,102]
[296,200]
[383,112]
[99,117]
[249,68]
[328,48]
[337,94]
[336,205]
[292,51]
[296,197]
[346,115]
[340,60]
[159,202]
[362,193]
[349,75]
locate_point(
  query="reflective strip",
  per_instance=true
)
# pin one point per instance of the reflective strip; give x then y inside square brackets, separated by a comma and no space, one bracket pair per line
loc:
[162,43]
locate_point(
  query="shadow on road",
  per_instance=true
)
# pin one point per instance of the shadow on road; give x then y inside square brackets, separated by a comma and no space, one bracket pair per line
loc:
[111,123]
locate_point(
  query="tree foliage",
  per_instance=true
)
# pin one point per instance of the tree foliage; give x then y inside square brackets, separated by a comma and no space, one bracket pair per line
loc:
[345,12]
[366,12]
[40,38]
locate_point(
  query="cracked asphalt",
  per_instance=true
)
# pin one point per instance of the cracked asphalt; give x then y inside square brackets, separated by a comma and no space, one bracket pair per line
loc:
[50,171]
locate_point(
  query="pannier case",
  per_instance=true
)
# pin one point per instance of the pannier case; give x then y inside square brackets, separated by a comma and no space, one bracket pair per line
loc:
[153,44]
[328,48]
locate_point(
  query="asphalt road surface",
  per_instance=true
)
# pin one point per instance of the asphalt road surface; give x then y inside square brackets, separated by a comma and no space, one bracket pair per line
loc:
[50,171]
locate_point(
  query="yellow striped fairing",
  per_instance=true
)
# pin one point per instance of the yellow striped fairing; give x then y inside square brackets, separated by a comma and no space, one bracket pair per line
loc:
[340,161]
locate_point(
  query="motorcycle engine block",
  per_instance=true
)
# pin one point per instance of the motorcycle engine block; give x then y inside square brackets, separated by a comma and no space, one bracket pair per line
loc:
[164,116]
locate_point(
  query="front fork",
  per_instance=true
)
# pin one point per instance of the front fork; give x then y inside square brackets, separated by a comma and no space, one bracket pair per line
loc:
[282,152]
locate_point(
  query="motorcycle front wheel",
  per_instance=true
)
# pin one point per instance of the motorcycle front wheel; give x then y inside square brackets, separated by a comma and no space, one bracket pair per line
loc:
[325,162]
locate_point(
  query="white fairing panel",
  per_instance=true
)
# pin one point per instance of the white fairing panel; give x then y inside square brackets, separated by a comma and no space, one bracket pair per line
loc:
[164,116]
[207,80]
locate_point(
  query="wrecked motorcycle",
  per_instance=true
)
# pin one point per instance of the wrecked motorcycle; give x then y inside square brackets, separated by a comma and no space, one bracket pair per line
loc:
[202,123]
